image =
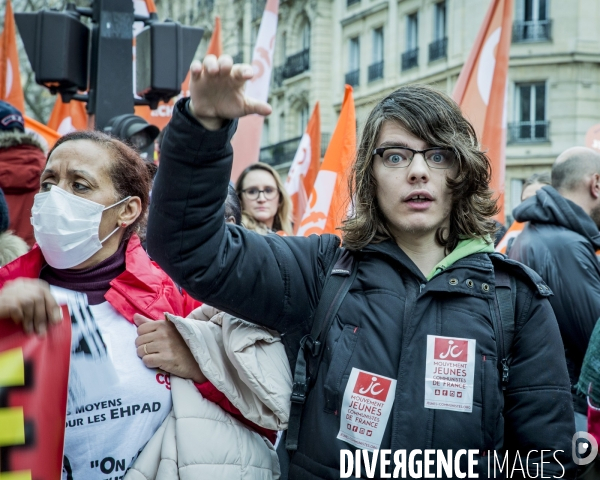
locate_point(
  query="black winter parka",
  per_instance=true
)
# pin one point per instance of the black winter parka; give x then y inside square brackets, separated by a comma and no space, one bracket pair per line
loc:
[559,243]
[381,327]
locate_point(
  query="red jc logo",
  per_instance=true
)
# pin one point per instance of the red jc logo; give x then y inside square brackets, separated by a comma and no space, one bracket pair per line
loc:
[164,379]
[451,349]
[372,386]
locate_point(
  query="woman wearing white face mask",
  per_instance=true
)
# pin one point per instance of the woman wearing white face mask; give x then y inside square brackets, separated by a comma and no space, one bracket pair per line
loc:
[94,191]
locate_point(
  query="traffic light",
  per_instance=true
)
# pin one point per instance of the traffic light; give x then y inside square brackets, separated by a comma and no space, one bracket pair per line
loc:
[164,52]
[57,47]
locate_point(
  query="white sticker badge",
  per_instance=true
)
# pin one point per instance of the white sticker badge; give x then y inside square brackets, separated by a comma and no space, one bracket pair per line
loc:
[449,373]
[366,408]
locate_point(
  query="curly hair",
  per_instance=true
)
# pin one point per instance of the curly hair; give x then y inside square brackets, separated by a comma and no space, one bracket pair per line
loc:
[129,173]
[436,119]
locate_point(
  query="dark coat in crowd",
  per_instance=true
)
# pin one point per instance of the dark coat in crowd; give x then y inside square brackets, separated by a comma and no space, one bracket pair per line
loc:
[382,326]
[22,162]
[560,243]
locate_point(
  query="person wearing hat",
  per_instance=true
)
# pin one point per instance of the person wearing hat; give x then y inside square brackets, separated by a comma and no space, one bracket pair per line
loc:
[22,161]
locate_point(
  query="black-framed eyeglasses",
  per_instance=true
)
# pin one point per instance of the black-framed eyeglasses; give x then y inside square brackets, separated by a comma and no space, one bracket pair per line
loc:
[401,157]
[253,193]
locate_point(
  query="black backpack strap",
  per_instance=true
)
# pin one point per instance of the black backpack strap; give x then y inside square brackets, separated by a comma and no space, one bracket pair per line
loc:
[336,286]
[506,299]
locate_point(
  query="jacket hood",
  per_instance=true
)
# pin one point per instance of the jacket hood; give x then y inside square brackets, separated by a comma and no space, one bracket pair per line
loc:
[13,139]
[464,248]
[550,207]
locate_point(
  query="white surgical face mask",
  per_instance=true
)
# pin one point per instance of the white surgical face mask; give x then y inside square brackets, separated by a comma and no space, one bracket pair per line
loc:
[66,227]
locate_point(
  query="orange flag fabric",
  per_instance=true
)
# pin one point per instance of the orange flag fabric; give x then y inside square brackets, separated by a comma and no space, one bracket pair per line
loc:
[46,135]
[481,89]
[68,117]
[150,6]
[513,232]
[305,167]
[246,141]
[215,45]
[11,90]
[329,200]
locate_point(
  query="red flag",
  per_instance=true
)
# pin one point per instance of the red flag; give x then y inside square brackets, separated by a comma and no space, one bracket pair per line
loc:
[481,89]
[305,167]
[246,141]
[68,117]
[34,373]
[329,201]
[11,90]
[513,232]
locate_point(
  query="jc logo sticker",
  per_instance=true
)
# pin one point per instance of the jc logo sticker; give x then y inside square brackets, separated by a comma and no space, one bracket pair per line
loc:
[451,349]
[372,386]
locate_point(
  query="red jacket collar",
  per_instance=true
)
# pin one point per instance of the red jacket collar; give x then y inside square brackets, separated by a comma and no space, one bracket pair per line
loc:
[143,288]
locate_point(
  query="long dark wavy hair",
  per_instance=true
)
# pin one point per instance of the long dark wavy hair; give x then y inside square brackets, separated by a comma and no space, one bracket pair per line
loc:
[436,119]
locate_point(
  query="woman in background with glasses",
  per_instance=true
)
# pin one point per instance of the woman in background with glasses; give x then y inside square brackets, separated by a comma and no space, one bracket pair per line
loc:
[266,206]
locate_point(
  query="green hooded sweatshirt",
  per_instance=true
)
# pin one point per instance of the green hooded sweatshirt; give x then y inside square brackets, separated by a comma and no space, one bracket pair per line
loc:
[464,248]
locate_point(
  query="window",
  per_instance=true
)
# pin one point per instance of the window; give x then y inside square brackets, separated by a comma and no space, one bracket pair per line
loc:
[376,68]
[531,21]
[439,21]
[306,36]
[412,31]
[516,187]
[378,45]
[282,127]
[531,124]
[437,48]
[303,118]
[410,58]
[353,74]
[264,139]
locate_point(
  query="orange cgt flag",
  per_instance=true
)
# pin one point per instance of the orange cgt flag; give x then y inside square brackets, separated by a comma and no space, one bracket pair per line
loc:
[329,200]
[11,90]
[305,167]
[215,46]
[46,135]
[481,89]
[68,117]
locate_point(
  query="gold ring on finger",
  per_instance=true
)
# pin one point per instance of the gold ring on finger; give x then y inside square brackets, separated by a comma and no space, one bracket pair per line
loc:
[145,351]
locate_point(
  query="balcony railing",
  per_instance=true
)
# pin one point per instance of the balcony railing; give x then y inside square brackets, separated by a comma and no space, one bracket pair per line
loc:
[296,64]
[525,132]
[437,49]
[352,78]
[410,59]
[283,152]
[376,71]
[238,57]
[258,8]
[351,2]
[532,31]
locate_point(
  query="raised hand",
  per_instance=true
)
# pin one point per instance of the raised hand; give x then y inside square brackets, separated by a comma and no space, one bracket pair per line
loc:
[217,91]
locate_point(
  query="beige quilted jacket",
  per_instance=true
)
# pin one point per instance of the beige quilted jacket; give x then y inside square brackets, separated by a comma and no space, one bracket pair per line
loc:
[199,440]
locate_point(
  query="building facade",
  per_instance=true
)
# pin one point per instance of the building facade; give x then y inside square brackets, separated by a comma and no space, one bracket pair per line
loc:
[553,95]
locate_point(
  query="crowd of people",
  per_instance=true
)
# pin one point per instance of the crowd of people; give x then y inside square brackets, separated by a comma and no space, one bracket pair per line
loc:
[253,348]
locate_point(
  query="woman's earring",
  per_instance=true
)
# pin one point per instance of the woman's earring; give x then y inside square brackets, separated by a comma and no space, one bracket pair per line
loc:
[124,225]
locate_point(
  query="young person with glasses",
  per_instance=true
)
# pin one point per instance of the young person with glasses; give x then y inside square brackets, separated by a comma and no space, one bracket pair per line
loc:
[423,300]
[266,206]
